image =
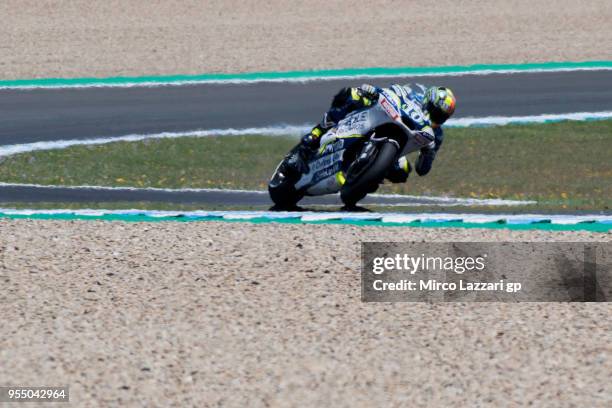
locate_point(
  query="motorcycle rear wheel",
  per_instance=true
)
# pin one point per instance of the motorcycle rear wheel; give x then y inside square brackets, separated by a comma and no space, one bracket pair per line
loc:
[282,192]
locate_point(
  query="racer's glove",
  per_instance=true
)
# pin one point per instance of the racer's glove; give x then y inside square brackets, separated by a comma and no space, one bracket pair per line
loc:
[369,91]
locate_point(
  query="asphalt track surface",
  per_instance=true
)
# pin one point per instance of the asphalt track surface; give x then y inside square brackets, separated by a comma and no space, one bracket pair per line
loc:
[37,115]
[33,194]
[53,114]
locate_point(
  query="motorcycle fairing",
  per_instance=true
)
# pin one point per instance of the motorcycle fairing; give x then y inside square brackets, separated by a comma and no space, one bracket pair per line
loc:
[325,166]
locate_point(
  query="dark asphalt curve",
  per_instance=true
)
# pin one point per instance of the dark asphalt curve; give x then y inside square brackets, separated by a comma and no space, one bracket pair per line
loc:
[34,194]
[36,115]
[52,114]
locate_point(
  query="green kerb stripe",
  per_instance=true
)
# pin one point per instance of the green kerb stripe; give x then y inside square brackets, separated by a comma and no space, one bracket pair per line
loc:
[298,75]
[593,227]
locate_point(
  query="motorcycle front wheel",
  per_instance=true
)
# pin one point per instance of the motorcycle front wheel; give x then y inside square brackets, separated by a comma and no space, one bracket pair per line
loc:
[369,176]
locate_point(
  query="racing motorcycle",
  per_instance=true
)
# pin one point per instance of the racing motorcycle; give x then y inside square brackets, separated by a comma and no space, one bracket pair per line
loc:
[356,154]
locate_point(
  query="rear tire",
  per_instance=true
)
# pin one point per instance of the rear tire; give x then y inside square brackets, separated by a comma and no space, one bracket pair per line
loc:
[357,187]
[283,193]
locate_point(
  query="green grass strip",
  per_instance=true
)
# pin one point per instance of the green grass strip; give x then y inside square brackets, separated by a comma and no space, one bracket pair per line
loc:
[564,166]
[593,227]
[301,75]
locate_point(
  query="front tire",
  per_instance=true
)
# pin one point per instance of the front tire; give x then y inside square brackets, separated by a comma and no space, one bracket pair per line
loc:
[359,185]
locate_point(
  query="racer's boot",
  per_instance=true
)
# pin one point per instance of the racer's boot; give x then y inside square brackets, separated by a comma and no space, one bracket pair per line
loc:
[399,172]
[312,140]
[296,162]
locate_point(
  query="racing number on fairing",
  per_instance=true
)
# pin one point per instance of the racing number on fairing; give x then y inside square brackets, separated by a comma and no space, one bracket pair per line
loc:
[416,116]
[414,112]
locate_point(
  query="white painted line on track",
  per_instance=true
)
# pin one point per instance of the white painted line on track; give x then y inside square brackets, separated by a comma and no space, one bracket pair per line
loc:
[286,130]
[285,77]
[435,200]
[544,118]
[282,130]
[129,188]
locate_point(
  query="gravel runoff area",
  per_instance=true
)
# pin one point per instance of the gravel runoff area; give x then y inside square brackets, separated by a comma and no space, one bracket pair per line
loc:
[141,37]
[211,314]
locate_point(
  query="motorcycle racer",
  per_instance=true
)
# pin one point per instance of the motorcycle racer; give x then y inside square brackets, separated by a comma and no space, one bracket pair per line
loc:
[436,103]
